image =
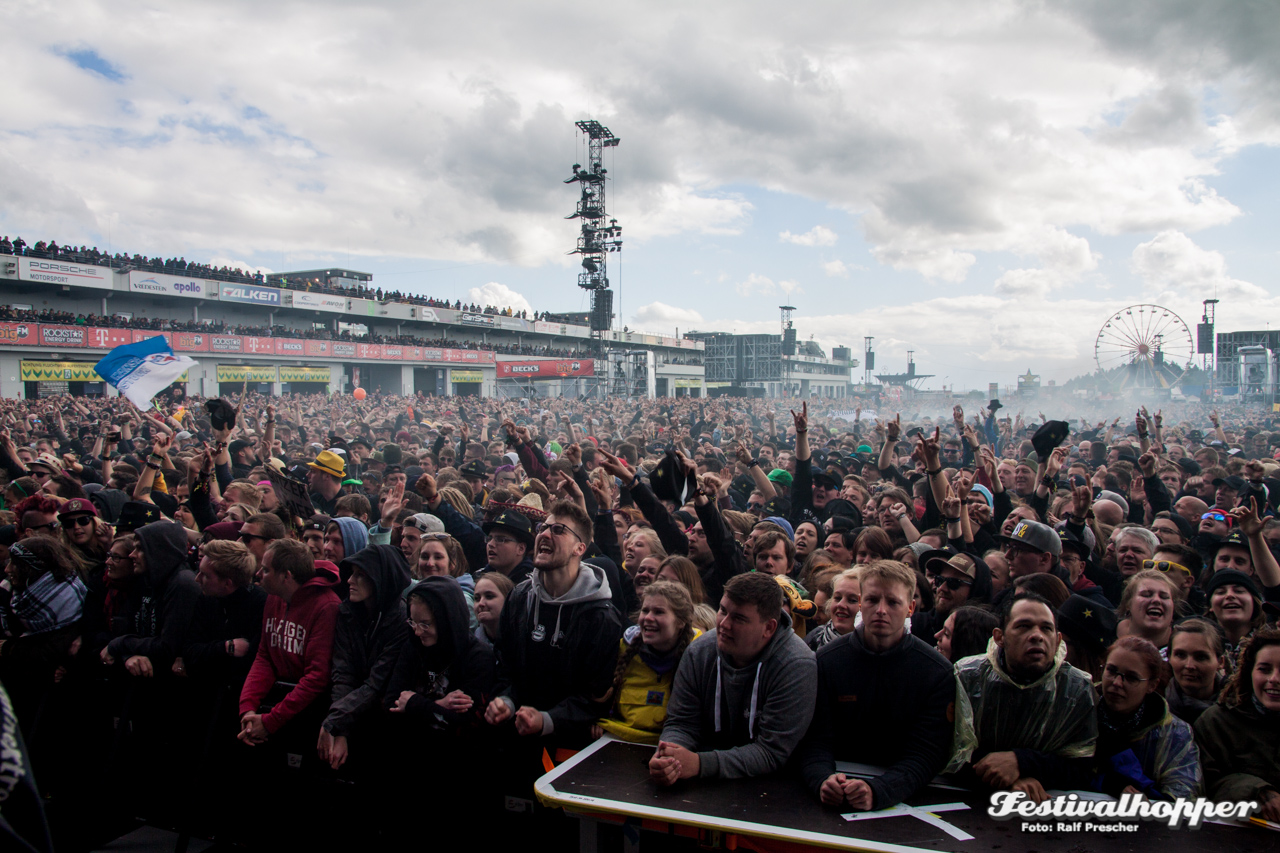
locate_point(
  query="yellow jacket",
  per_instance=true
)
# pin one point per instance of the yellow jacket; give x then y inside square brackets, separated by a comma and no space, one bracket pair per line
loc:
[640,708]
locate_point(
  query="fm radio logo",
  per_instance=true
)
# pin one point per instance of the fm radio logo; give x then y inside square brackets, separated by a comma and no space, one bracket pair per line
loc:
[14,334]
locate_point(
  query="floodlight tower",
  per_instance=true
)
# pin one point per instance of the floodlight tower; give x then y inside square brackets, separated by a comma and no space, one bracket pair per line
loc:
[600,234]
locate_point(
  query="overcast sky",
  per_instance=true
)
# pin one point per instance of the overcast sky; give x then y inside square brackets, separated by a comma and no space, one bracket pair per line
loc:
[982,183]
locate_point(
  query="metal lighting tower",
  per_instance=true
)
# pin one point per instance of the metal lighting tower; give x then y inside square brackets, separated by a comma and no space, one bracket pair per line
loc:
[1206,344]
[600,235]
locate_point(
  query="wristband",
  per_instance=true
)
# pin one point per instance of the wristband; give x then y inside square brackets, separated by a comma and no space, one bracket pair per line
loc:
[955,520]
[1049,483]
[801,431]
[153,466]
[934,472]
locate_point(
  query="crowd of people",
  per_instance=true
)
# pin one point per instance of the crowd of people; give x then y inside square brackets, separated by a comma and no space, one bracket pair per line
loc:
[213,327]
[182,267]
[430,600]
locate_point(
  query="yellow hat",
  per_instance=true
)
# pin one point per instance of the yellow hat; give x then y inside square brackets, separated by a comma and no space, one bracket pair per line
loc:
[329,463]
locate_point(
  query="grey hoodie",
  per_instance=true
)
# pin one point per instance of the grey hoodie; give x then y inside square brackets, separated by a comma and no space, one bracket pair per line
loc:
[757,734]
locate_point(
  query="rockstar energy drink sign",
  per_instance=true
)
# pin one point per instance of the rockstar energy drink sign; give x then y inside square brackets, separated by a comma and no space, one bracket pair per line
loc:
[304,374]
[246,372]
[59,371]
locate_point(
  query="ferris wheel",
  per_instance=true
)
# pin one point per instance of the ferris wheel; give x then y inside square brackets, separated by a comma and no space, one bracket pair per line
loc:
[1150,342]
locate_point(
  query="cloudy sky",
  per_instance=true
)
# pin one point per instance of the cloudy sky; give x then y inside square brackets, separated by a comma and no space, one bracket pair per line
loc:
[980,182]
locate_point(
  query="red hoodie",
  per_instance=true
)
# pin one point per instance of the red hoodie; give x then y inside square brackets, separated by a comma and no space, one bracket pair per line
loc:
[296,646]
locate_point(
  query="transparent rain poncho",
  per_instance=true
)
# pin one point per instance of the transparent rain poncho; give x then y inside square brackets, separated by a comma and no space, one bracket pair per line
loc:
[1054,714]
[1162,759]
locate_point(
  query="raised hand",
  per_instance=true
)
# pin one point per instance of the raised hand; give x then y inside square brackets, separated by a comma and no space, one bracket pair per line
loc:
[801,420]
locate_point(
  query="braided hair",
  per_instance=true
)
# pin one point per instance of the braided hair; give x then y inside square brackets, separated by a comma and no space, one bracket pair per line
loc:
[681,607]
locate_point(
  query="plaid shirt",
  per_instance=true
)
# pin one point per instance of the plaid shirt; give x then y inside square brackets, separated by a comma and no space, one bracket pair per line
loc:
[46,605]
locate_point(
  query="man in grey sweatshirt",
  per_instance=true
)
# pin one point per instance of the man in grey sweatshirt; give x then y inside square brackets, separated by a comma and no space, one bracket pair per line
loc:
[744,693]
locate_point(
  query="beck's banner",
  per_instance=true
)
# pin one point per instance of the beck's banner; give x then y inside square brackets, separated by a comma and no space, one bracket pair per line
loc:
[549,369]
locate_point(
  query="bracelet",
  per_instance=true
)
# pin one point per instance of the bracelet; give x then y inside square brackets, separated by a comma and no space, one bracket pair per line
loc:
[934,472]
[955,520]
[1049,482]
[221,445]
[153,466]
[801,431]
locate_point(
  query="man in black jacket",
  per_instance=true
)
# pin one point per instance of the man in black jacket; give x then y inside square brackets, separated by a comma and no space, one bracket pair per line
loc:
[884,698]
[229,621]
[558,638]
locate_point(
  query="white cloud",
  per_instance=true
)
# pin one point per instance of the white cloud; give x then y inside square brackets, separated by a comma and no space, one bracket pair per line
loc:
[818,235]
[662,315]
[1172,262]
[761,285]
[235,263]
[835,269]
[499,296]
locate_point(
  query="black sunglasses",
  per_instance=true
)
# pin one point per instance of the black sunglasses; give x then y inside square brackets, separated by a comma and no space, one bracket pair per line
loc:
[952,584]
[247,537]
[79,520]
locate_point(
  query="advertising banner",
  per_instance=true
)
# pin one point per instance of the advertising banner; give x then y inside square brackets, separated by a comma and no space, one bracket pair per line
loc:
[62,336]
[320,301]
[141,281]
[108,338]
[304,374]
[316,348]
[344,350]
[225,343]
[460,375]
[59,371]
[476,319]
[391,352]
[19,333]
[546,369]
[413,353]
[65,272]
[369,351]
[242,372]
[250,294]
[188,341]
[289,346]
[259,346]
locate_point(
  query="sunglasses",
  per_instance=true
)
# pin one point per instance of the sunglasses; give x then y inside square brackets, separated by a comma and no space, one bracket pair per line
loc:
[52,525]
[1164,566]
[952,584]
[80,521]
[1216,516]
[249,537]
[557,529]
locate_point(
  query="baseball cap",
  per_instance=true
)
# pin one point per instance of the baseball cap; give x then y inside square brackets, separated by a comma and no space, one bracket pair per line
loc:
[1033,534]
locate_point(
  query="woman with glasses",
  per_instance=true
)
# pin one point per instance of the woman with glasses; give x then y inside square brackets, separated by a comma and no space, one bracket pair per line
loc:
[366,645]
[114,597]
[1142,748]
[444,675]
[1239,737]
[1195,655]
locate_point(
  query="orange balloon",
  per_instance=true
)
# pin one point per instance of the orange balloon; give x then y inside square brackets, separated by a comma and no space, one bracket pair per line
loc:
[359,394]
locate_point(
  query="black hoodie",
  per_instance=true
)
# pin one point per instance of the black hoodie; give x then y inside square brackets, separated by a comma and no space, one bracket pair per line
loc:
[368,638]
[457,661]
[174,590]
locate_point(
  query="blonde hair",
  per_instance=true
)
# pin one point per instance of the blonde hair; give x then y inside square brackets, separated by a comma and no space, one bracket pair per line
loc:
[1131,588]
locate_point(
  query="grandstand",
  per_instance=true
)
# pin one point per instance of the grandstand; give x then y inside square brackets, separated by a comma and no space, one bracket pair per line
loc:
[305,332]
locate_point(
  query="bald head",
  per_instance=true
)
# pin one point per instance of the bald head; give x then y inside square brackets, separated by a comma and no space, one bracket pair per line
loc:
[1191,508]
[1108,512]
